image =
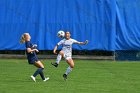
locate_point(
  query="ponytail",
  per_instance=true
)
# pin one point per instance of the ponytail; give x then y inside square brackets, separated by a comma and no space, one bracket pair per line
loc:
[22,40]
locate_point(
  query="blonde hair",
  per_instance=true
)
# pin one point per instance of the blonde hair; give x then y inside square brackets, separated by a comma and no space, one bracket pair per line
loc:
[22,40]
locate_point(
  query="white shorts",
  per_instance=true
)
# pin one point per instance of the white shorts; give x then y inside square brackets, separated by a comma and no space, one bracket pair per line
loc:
[67,57]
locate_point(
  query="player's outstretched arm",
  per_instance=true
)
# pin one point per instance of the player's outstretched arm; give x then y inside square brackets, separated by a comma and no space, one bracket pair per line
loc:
[83,43]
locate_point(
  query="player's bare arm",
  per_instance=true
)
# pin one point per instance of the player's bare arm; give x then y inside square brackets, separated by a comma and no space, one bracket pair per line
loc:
[82,43]
[55,48]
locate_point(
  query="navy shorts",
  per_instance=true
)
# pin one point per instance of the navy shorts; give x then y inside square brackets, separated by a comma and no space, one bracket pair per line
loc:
[32,61]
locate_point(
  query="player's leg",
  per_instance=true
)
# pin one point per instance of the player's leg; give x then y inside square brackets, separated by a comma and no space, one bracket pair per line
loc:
[59,56]
[69,69]
[40,69]
[39,64]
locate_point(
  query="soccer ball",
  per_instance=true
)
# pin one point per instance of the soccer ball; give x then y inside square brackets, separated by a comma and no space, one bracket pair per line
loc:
[61,34]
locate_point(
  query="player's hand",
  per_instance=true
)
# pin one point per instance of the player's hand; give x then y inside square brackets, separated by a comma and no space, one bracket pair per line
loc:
[35,50]
[54,52]
[86,42]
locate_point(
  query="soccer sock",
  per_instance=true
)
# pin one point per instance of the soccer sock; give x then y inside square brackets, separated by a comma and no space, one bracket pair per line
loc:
[42,75]
[58,58]
[38,71]
[69,69]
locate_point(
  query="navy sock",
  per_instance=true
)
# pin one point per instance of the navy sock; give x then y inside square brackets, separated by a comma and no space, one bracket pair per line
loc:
[42,75]
[38,71]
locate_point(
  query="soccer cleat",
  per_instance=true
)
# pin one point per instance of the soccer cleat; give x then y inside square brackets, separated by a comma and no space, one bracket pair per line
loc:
[33,78]
[65,76]
[54,64]
[46,79]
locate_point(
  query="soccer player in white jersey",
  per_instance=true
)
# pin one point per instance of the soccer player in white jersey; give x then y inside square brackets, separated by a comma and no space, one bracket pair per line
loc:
[66,52]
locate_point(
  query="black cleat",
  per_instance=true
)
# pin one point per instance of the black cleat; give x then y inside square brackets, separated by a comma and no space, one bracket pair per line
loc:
[54,64]
[65,76]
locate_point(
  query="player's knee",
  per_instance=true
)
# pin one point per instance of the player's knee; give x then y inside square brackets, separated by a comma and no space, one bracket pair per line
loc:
[42,66]
[72,66]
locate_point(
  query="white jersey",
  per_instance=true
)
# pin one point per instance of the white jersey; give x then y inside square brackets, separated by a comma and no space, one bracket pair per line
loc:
[67,46]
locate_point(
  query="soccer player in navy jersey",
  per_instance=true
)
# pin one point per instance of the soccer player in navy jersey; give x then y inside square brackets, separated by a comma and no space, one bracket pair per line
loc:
[32,57]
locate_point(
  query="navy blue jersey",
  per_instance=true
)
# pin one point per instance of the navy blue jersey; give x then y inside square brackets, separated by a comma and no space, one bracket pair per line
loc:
[32,57]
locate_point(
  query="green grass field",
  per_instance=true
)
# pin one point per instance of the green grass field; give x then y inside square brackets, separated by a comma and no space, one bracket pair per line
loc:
[88,76]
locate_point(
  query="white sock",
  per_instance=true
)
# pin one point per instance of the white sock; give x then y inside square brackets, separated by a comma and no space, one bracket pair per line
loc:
[58,58]
[69,69]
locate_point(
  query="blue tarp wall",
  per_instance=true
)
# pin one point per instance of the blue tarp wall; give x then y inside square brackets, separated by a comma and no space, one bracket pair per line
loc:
[108,24]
